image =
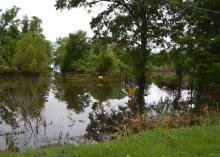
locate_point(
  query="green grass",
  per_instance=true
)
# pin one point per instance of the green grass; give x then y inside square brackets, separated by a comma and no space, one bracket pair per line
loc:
[198,141]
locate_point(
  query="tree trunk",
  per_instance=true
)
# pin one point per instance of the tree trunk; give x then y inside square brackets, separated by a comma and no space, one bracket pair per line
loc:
[141,81]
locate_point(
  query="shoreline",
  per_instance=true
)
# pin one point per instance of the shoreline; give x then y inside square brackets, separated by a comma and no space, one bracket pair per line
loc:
[191,142]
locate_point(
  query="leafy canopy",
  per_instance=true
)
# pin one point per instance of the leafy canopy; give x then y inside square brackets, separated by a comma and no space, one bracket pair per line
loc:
[140,23]
[70,50]
[31,54]
[12,29]
[197,40]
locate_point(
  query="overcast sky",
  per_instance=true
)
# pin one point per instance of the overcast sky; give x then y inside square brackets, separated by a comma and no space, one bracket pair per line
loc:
[55,23]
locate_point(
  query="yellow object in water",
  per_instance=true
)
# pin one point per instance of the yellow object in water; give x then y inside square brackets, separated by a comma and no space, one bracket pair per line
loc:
[100,85]
[132,90]
[101,78]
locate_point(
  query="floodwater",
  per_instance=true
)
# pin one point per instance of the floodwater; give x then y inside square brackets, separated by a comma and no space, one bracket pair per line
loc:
[37,111]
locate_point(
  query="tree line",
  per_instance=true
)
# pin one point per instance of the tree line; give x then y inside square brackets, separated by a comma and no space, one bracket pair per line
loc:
[186,31]
[23,47]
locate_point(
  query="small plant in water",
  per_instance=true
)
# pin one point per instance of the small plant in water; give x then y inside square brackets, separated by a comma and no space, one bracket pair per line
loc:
[10,144]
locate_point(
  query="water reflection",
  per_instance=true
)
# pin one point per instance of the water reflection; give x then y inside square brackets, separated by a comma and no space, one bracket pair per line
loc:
[21,103]
[78,93]
[75,96]
[175,105]
[42,110]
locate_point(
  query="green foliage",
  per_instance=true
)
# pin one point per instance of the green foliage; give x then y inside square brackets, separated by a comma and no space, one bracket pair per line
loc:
[60,50]
[12,30]
[31,54]
[76,54]
[25,24]
[35,25]
[107,62]
[197,43]
[9,34]
[76,48]
[70,50]
[139,24]
[10,143]
[8,49]
[145,25]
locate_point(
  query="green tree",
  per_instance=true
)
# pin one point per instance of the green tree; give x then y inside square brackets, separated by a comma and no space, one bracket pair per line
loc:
[13,29]
[197,38]
[141,24]
[107,62]
[71,50]
[25,24]
[31,54]
[107,57]
[35,25]
[60,50]
[9,33]
[7,19]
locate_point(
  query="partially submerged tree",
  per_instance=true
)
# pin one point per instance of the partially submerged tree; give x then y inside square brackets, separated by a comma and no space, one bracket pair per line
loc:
[142,24]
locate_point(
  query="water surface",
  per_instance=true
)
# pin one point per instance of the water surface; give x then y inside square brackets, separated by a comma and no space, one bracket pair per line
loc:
[37,111]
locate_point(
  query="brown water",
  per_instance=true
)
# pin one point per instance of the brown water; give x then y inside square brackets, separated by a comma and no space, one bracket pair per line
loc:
[41,110]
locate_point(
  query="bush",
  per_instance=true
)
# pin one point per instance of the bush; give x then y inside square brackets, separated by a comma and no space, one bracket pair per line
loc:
[31,54]
[107,62]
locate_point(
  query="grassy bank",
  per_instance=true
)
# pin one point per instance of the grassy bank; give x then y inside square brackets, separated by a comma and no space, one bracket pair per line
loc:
[199,141]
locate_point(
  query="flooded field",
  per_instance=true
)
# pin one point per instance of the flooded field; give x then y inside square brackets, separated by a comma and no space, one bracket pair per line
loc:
[44,110]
